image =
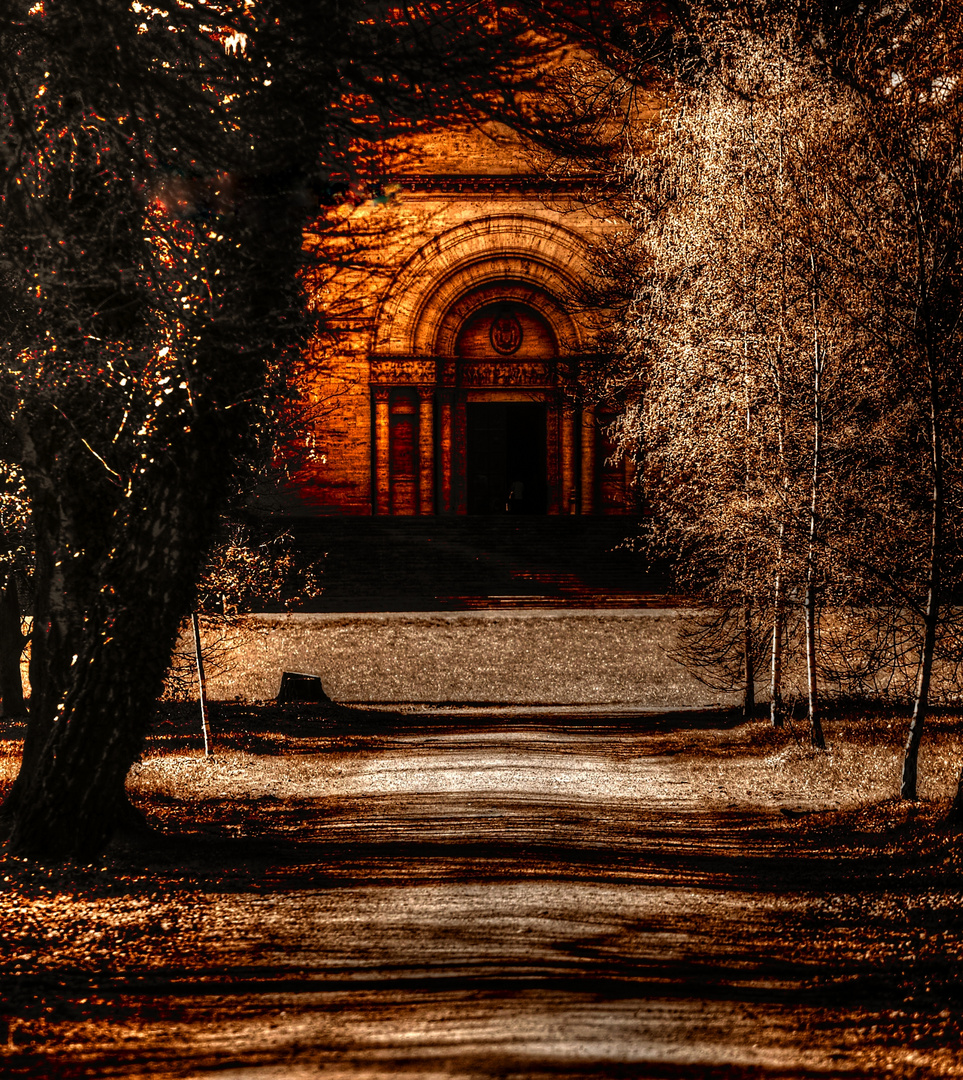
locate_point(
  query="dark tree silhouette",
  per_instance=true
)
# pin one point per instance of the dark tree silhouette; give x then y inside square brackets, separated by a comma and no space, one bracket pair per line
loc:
[156,174]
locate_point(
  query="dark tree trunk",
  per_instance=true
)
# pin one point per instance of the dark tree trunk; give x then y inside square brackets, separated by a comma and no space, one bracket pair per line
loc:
[914,737]
[72,797]
[12,643]
[106,632]
[54,630]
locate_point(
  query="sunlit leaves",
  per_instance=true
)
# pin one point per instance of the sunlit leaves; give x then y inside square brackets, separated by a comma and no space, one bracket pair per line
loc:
[796,275]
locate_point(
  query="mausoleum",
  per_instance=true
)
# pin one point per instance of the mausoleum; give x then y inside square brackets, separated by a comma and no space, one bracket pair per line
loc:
[453,387]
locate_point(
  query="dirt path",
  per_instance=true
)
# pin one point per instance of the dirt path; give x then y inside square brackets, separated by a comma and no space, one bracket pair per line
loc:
[528,897]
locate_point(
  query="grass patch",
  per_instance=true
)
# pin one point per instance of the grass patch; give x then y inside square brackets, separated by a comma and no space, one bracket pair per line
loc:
[548,657]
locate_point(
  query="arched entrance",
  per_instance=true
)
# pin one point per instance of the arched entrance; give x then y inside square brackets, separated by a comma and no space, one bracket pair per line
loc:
[493,426]
[473,378]
[506,430]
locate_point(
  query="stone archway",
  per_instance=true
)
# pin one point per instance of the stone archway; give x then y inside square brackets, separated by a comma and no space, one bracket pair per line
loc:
[473,365]
[495,426]
[510,256]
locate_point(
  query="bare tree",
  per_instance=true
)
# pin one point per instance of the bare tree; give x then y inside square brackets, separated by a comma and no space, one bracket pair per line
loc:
[798,215]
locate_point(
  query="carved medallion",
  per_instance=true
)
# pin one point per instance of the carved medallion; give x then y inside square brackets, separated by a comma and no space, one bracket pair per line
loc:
[505,334]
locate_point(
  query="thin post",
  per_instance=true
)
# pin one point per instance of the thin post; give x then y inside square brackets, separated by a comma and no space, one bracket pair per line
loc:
[201,684]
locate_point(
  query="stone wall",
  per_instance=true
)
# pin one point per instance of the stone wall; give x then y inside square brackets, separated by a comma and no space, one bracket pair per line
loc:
[465,227]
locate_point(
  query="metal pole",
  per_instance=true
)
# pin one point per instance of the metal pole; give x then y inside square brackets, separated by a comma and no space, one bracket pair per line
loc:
[201,686]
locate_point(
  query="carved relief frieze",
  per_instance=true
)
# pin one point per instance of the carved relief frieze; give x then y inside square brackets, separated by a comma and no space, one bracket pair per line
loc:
[488,373]
[403,371]
[448,371]
[453,372]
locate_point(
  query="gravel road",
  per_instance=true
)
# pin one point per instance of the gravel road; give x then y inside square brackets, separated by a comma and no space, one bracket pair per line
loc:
[532,897]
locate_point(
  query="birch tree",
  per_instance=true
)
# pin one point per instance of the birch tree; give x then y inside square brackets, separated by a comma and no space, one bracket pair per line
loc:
[802,194]
[804,197]
[914,116]
[900,66]
[726,332]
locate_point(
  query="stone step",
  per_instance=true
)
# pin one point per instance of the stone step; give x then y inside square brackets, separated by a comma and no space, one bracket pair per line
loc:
[432,563]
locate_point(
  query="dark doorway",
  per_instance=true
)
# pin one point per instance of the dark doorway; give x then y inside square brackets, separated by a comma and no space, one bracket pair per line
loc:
[506,458]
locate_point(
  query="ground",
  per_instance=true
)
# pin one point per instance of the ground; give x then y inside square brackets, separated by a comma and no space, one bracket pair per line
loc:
[529,891]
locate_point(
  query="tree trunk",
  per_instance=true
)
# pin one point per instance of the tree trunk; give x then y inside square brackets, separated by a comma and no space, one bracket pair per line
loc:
[776,716]
[815,725]
[908,783]
[201,681]
[749,668]
[54,632]
[12,642]
[749,674]
[816,736]
[117,563]
[914,738]
[778,633]
[72,797]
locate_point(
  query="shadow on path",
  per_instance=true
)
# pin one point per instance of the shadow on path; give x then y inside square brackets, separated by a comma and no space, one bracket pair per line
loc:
[521,897]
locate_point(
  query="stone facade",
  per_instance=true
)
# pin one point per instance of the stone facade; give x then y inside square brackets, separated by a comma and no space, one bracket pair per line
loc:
[453,386]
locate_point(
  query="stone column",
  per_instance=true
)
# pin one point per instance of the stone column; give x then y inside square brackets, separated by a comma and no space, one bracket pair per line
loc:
[588,461]
[426,450]
[382,451]
[567,463]
[444,451]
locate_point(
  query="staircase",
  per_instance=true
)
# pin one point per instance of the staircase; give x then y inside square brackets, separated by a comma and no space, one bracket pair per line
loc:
[465,563]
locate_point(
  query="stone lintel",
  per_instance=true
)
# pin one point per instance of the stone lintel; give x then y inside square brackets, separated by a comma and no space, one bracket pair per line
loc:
[446,371]
[503,184]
